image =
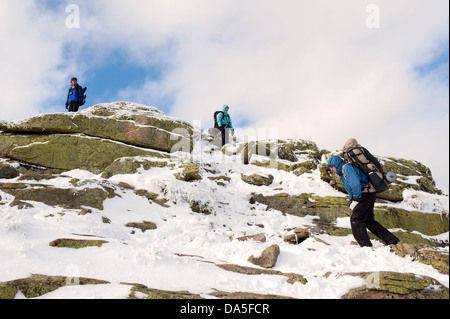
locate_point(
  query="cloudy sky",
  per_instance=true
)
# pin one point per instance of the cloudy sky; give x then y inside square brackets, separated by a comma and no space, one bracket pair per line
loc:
[321,70]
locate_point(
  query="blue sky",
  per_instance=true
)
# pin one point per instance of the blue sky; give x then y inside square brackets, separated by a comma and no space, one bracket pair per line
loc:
[106,80]
[305,68]
[439,62]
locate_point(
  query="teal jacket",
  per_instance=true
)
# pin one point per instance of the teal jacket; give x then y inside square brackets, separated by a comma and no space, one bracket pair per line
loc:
[223,119]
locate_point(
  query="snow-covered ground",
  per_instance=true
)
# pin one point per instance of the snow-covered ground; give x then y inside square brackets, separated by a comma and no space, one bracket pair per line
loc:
[182,252]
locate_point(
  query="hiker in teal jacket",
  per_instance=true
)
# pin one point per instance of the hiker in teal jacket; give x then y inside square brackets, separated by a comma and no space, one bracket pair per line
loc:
[361,203]
[223,118]
[224,123]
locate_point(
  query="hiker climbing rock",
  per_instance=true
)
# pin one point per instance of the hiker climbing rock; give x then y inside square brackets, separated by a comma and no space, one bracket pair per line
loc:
[76,96]
[222,121]
[362,202]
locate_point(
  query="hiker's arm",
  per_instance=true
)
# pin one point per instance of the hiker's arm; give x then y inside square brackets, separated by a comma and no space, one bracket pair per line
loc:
[231,124]
[354,183]
[219,119]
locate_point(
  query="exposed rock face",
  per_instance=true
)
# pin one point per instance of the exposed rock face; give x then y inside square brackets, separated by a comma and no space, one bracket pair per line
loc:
[327,208]
[428,224]
[38,285]
[130,165]
[68,152]
[129,123]
[330,208]
[439,260]
[391,285]
[66,198]
[112,139]
[94,138]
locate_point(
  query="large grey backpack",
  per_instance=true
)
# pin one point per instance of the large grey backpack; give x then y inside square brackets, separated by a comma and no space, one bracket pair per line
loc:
[360,157]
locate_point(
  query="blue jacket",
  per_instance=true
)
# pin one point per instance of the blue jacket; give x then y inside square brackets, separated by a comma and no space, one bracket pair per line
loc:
[74,95]
[223,119]
[354,179]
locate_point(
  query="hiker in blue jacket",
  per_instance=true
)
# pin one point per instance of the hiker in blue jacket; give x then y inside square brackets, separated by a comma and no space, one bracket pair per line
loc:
[75,96]
[361,203]
[224,123]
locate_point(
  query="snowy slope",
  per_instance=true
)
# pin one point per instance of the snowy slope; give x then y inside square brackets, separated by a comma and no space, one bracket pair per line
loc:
[182,253]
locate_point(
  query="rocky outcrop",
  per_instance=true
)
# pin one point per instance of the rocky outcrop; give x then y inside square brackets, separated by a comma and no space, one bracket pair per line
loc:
[52,196]
[68,152]
[257,180]
[268,258]
[128,123]
[39,285]
[107,139]
[296,156]
[327,208]
[301,156]
[94,138]
[189,173]
[330,208]
[425,254]
[130,165]
[392,285]
[425,223]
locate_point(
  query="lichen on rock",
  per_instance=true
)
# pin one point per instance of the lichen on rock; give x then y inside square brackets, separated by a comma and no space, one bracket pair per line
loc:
[257,179]
[76,243]
[392,285]
[123,122]
[190,172]
[39,285]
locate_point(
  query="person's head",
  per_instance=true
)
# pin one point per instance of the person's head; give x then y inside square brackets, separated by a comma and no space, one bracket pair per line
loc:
[226,108]
[74,81]
[335,164]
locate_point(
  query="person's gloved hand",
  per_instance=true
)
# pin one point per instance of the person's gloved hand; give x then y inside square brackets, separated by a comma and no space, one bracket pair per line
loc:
[353,204]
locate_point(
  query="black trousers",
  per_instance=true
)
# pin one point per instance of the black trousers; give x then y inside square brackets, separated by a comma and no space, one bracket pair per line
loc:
[363,219]
[74,106]
[225,135]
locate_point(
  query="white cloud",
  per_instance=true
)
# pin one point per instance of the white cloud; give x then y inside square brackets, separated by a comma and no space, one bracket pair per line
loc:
[30,58]
[310,68]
